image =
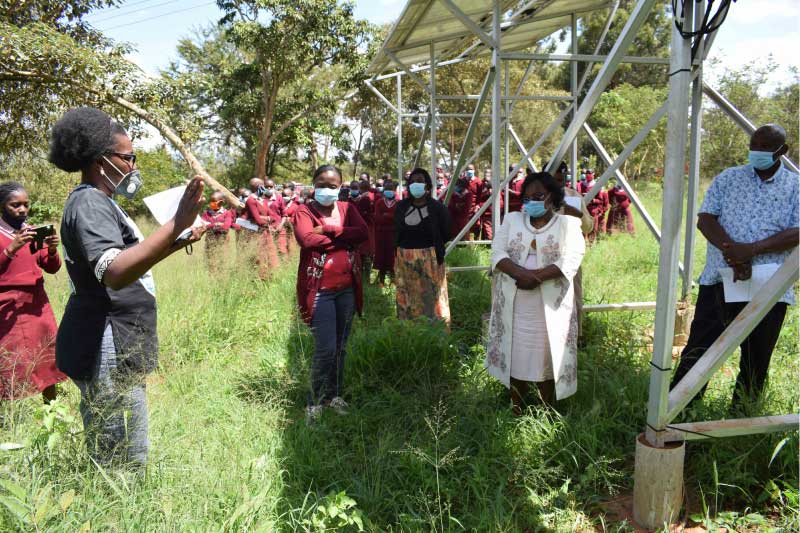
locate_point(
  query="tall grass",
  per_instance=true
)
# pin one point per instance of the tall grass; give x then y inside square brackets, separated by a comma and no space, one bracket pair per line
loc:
[429,444]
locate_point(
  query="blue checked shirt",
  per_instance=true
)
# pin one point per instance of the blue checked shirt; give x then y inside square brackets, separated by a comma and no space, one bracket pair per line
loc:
[750,209]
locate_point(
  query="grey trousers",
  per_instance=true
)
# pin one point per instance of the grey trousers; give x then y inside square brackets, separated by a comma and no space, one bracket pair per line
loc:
[114,410]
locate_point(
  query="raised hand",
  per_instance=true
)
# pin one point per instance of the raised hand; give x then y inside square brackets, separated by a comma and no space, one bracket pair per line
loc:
[190,205]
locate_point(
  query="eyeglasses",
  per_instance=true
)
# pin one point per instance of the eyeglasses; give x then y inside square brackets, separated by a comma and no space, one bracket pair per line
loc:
[128,158]
[534,197]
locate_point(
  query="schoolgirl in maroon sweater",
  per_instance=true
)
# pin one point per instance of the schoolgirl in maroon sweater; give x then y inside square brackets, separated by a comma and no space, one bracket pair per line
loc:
[329,232]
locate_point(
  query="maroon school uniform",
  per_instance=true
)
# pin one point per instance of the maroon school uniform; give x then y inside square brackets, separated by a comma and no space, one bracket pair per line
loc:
[384,234]
[28,326]
[460,207]
[277,211]
[315,247]
[597,209]
[484,225]
[515,194]
[220,222]
[620,212]
[364,204]
[267,256]
[291,209]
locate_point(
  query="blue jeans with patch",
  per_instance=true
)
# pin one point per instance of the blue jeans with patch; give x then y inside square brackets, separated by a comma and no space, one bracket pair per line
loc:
[114,410]
[330,324]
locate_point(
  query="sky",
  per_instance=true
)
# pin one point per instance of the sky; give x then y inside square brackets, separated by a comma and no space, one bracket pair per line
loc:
[754,29]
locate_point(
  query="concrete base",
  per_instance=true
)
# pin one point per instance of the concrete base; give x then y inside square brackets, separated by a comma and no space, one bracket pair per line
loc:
[657,483]
[684,314]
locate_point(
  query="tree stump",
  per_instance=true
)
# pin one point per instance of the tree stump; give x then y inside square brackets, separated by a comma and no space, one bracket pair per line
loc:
[657,483]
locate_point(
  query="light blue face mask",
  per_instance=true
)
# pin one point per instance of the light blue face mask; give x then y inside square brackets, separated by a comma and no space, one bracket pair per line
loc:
[417,190]
[354,193]
[534,208]
[388,194]
[326,196]
[762,160]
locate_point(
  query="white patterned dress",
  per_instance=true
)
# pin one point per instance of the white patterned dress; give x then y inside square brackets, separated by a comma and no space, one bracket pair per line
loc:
[560,242]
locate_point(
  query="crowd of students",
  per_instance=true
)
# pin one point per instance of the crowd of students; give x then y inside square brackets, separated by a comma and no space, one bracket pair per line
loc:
[107,340]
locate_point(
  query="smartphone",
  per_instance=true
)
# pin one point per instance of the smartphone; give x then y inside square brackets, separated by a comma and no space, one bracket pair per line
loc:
[41,232]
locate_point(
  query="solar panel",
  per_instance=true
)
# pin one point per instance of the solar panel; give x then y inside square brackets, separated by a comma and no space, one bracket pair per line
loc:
[424,21]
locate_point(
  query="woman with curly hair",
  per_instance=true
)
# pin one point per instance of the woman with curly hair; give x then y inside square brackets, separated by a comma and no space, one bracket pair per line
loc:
[27,324]
[533,330]
[107,342]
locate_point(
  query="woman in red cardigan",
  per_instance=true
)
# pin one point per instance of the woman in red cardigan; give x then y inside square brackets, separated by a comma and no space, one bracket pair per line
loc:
[27,325]
[328,284]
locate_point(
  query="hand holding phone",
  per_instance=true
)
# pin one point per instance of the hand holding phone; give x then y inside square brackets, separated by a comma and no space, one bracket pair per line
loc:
[40,233]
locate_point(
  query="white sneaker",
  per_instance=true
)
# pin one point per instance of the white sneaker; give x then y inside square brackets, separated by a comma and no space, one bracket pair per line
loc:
[313,412]
[339,406]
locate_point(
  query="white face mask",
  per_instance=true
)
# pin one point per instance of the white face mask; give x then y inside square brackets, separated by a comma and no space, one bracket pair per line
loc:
[128,186]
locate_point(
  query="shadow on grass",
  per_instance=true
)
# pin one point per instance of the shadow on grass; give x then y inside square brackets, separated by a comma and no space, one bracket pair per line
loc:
[430,443]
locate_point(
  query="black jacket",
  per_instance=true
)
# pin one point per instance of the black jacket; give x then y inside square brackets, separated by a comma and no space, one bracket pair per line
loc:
[436,226]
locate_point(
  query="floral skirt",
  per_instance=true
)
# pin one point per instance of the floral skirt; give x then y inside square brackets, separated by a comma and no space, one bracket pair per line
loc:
[421,285]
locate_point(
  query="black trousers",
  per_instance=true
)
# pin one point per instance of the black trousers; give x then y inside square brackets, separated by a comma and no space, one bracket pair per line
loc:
[711,316]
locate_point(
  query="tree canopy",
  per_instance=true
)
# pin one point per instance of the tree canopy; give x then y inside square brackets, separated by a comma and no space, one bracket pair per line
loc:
[275,87]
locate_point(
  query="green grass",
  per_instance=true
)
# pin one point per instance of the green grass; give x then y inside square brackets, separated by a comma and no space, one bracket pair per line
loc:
[430,443]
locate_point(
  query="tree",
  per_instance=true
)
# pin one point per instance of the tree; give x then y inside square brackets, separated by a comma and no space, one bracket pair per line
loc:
[652,40]
[724,144]
[620,114]
[287,45]
[26,109]
[44,70]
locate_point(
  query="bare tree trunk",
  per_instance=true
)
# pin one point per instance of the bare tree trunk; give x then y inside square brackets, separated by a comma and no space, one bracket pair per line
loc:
[327,145]
[177,143]
[269,93]
[312,154]
[358,149]
[273,156]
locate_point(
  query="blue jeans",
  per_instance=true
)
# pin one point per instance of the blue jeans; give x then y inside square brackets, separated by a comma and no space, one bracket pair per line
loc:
[330,324]
[114,410]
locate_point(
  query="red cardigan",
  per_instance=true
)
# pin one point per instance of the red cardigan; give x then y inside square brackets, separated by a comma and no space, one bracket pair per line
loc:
[314,247]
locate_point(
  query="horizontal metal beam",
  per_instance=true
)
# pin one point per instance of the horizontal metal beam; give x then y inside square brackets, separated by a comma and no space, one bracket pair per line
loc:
[421,68]
[731,428]
[584,58]
[630,306]
[471,243]
[532,97]
[472,268]
[444,115]
[738,330]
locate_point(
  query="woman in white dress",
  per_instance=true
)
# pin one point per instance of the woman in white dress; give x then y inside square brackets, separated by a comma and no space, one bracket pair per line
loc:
[533,332]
